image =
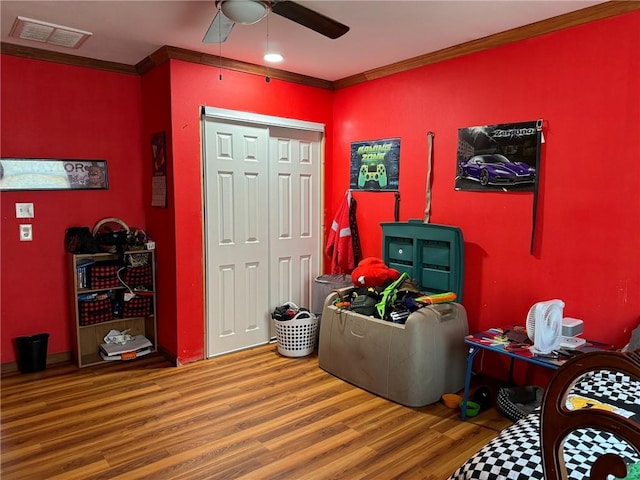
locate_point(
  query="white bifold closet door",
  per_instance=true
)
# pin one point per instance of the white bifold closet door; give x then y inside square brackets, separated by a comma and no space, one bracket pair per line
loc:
[262,225]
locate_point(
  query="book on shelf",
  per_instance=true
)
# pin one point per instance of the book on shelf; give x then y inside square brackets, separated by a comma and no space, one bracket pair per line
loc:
[125,355]
[138,346]
[82,268]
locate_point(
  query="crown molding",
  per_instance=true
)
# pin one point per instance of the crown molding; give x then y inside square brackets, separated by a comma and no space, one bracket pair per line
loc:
[561,22]
[65,58]
[173,53]
[165,53]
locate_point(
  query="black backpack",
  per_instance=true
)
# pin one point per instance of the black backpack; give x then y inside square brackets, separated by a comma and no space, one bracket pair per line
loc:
[80,240]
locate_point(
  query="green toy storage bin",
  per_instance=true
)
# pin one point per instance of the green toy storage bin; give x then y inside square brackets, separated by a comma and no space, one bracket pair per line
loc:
[430,253]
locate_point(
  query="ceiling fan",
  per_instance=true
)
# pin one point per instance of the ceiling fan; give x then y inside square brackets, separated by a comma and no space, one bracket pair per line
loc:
[247,12]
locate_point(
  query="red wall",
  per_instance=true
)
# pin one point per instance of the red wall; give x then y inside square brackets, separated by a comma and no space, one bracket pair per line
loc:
[191,87]
[588,93]
[58,111]
[589,233]
[156,110]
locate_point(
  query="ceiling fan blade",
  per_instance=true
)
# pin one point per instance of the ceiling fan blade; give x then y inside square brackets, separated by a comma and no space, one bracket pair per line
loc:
[309,18]
[219,29]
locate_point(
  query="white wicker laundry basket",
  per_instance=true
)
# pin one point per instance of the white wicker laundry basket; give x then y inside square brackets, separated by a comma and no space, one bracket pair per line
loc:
[297,337]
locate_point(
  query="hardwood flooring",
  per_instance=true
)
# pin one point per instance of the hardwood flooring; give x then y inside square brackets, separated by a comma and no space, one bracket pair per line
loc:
[248,415]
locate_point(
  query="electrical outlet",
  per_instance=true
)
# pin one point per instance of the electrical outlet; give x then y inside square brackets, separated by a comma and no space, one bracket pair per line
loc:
[24,210]
[26,233]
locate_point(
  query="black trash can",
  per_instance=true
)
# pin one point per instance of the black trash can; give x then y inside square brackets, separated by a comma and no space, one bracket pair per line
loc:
[32,352]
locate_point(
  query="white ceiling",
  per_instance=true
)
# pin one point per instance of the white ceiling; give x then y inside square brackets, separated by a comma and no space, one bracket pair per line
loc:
[382,31]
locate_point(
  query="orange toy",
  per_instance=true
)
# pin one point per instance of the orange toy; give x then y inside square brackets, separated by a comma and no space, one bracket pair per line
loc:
[437,298]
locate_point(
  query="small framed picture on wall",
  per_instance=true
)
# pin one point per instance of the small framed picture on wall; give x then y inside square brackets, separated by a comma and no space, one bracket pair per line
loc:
[52,174]
[159,175]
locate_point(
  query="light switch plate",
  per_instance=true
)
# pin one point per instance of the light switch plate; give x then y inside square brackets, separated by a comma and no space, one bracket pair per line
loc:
[26,232]
[24,210]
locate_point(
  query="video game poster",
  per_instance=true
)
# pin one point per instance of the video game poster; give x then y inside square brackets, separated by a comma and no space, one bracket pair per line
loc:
[375,165]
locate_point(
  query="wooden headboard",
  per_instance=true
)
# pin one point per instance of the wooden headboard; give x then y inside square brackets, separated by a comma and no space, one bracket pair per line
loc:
[557,421]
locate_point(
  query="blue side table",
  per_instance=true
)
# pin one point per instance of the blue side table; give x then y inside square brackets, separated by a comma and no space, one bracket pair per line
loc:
[489,340]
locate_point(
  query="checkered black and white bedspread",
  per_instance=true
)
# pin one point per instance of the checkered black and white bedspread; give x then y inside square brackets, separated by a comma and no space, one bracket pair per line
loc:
[515,453]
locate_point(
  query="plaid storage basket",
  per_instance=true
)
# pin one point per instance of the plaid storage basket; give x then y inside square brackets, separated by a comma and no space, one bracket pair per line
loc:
[95,311]
[138,306]
[138,276]
[104,276]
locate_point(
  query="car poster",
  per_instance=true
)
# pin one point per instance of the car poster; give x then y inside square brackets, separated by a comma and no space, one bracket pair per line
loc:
[498,157]
[375,165]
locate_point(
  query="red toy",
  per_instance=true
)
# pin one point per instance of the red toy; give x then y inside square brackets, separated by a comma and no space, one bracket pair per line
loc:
[372,272]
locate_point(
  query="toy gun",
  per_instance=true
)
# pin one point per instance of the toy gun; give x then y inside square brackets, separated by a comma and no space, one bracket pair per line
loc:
[389,294]
[437,298]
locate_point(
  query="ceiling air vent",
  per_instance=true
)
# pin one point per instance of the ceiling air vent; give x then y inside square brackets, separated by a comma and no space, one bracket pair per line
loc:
[36,30]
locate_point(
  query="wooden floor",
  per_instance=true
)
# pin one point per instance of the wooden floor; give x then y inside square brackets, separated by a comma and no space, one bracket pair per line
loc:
[251,415]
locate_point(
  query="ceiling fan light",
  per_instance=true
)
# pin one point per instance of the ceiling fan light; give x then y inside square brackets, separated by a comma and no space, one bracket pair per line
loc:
[244,11]
[273,57]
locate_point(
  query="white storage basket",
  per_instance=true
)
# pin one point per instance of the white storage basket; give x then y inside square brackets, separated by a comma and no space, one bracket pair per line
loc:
[297,337]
